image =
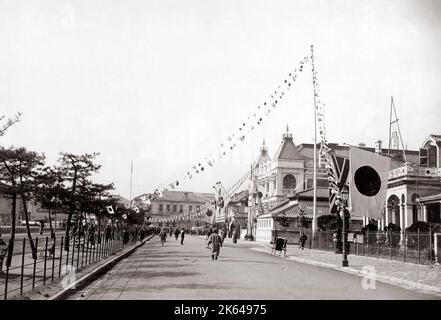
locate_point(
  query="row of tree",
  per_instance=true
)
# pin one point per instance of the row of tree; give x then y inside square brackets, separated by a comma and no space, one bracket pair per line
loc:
[64,188]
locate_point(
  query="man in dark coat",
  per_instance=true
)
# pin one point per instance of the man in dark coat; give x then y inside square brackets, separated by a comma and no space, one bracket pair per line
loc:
[182,236]
[215,240]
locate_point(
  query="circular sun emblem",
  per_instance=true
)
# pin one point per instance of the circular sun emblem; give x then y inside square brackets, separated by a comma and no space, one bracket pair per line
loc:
[367,181]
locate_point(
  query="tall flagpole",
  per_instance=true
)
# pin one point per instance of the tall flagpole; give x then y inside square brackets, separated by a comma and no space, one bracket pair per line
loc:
[131,177]
[314,214]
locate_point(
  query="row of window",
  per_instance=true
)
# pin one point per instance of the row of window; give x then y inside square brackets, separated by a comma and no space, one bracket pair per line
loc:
[289,183]
[175,208]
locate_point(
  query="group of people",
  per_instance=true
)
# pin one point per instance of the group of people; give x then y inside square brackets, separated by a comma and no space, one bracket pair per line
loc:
[214,239]
[163,235]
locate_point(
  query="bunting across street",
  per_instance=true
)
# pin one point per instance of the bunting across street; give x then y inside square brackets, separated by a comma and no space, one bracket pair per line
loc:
[247,126]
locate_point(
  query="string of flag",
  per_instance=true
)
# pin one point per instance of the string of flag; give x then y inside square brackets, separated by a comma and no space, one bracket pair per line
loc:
[180,217]
[191,215]
[246,127]
[325,151]
[232,190]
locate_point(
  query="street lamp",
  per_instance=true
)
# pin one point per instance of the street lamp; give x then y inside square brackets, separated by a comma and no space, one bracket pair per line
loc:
[344,198]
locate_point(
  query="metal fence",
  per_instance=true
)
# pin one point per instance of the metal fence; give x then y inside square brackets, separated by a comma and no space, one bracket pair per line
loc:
[22,274]
[402,246]
[22,229]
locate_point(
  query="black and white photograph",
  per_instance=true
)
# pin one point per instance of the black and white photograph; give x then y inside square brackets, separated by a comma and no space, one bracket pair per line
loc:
[239,151]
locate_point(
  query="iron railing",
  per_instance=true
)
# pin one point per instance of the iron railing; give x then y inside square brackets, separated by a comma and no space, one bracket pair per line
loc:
[413,247]
[21,272]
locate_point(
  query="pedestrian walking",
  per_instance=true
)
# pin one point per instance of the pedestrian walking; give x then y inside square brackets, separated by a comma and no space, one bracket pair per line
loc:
[208,236]
[41,227]
[126,235]
[3,251]
[142,234]
[234,236]
[108,233]
[171,232]
[215,240]
[92,235]
[302,241]
[182,236]
[163,236]
[176,234]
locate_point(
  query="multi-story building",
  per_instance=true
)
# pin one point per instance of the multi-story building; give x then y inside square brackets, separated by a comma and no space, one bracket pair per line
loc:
[172,203]
[237,212]
[413,194]
[414,187]
[289,173]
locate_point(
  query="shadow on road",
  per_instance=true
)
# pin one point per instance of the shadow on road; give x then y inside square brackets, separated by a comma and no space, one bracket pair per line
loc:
[158,266]
[149,256]
[249,261]
[195,286]
[151,274]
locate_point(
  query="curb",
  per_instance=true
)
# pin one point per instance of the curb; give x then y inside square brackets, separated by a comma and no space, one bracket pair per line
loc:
[66,292]
[385,279]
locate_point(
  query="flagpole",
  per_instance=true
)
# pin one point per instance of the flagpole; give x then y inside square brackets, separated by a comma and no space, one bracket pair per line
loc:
[314,213]
[131,179]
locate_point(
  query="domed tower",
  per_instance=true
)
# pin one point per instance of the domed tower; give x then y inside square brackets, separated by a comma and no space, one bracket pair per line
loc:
[289,167]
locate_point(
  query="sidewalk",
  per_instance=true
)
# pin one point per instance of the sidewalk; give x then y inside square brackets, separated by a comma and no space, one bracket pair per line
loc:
[52,287]
[423,278]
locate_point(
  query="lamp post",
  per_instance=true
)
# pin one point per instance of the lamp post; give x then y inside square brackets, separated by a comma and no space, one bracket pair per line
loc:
[344,198]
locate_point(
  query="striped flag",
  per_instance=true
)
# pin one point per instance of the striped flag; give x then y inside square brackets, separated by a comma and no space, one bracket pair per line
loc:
[338,171]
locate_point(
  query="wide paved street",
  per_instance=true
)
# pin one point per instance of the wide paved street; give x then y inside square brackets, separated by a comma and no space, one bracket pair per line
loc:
[176,271]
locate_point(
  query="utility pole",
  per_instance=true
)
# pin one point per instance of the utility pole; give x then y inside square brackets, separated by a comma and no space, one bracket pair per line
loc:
[131,178]
[314,213]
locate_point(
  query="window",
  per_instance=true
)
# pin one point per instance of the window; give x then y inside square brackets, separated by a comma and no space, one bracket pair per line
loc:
[198,208]
[161,207]
[167,208]
[175,208]
[322,182]
[423,157]
[432,156]
[190,208]
[181,208]
[289,183]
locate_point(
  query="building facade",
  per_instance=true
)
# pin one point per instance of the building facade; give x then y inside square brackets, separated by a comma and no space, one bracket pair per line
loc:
[414,187]
[413,193]
[172,203]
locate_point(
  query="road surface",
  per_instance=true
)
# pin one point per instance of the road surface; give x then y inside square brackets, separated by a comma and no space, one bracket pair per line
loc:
[176,271]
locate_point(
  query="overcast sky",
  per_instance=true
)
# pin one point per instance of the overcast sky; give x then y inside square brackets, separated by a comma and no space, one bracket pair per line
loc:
[164,83]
